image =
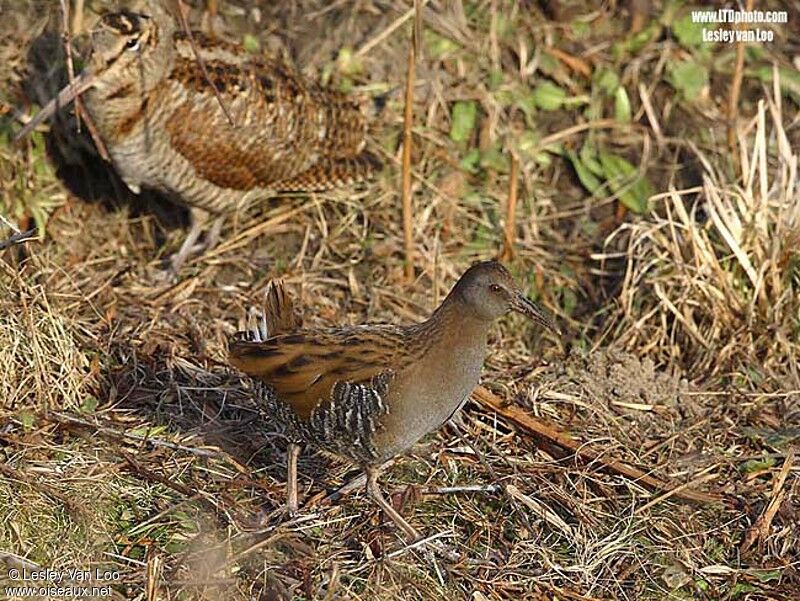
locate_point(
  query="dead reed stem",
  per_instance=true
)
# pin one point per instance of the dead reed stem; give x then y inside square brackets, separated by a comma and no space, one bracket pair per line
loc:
[511,211]
[408,116]
[736,88]
[68,53]
[77,17]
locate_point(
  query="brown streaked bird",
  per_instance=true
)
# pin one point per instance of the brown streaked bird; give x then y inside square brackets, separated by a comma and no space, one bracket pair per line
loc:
[369,392]
[157,114]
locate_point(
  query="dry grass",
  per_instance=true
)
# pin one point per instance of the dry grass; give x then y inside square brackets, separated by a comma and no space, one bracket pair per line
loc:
[127,443]
[713,283]
[44,364]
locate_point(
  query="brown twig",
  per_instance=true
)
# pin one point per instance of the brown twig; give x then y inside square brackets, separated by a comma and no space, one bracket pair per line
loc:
[185,24]
[98,141]
[81,114]
[581,127]
[408,117]
[65,96]
[511,211]
[575,63]
[154,564]
[66,419]
[383,35]
[567,594]
[760,530]
[652,117]
[14,474]
[541,429]
[736,88]
[65,41]
[703,476]
[171,483]
[417,33]
[152,476]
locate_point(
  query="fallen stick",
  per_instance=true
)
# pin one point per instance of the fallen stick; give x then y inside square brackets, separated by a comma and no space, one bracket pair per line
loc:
[760,530]
[542,429]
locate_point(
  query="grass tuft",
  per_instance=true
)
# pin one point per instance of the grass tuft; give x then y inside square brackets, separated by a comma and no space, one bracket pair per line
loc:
[713,277]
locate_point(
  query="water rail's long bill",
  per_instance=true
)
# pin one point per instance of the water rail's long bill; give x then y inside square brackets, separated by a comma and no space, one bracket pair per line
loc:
[522,304]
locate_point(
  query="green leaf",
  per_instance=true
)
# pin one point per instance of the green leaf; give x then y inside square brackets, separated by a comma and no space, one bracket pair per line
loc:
[757,465]
[607,80]
[250,43]
[438,45]
[543,158]
[741,588]
[688,33]
[147,431]
[526,102]
[569,300]
[470,161]
[465,114]
[27,418]
[622,106]
[688,78]
[576,100]
[348,63]
[789,80]
[528,142]
[781,437]
[588,157]
[483,239]
[494,158]
[175,546]
[346,85]
[631,189]
[504,96]
[548,96]
[580,29]
[766,575]
[496,79]
[585,176]
[89,404]
[753,54]
[503,24]
[549,65]
[40,217]
[636,42]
